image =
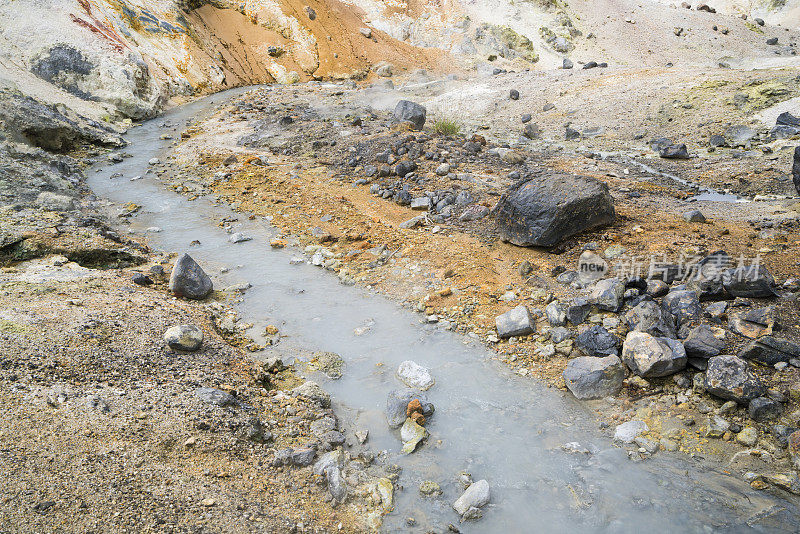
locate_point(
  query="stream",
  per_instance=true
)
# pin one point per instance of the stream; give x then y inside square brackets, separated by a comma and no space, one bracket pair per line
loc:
[488,421]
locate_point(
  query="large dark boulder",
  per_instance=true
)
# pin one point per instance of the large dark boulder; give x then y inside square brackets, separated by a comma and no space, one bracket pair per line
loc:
[770,350]
[407,111]
[544,211]
[189,280]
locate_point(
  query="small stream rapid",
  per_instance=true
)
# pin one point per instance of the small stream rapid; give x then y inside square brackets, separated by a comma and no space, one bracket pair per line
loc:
[488,421]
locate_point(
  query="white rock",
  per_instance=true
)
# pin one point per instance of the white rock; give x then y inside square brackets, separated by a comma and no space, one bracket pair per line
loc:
[415,376]
[477,495]
[627,432]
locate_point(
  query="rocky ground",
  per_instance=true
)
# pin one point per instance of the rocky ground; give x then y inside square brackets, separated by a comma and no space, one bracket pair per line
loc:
[414,213]
[669,130]
[147,429]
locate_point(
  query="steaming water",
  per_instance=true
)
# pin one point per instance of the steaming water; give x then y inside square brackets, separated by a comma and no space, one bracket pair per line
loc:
[488,421]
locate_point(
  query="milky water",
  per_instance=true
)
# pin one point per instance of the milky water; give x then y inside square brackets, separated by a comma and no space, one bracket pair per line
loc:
[488,421]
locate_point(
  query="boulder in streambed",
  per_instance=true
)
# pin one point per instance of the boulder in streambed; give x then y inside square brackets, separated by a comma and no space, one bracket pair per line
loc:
[185,337]
[397,405]
[589,377]
[476,496]
[189,280]
[544,211]
[414,375]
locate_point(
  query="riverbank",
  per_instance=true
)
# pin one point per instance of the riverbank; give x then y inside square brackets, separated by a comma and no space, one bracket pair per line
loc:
[302,158]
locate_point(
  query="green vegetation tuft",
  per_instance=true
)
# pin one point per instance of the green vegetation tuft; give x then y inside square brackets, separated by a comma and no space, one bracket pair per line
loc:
[446,127]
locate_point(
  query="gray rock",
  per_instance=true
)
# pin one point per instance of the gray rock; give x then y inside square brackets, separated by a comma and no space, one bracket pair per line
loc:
[763,409]
[597,341]
[189,280]
[239,237]
[329,363]
[770,350]
[184,337]
[216,397]
[674,152]
[704,342]
[476,496]
[608,294]
[683,305]
[313,392]
[322,425]
[566,63]
[649,356]
[694,216]
[474,213]
[415,376]
[546,210]
[627,432]
[410,112]
[749,282]
[657,288]
[717,426]
[730,378]
[421,203]
[555,313]
[796,169]
[578,310]
[649,317]
[588,377]
[559,334]
[397,402]
[516,322]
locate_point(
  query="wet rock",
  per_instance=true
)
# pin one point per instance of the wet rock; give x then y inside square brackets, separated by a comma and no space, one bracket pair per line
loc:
[407,111]
[704,342]
[607,294]
[649,356]
[649,317]
[329,363]
[397,404]
[189,280]
[476,496]
[749,282]
[516,322]
[683,305]
[313,392]
[415,376]
[588,377]
[184,337]
[544,211]
[763,409]
[796,169]
[412,435]
[429,488]
[627,432]
[730,378]
[597,341]
[770,350]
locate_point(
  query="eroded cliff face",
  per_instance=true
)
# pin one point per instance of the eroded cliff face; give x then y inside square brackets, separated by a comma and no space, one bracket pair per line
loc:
[133,55]
[127,58]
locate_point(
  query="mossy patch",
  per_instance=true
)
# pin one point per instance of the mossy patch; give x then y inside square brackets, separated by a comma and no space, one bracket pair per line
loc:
[515,41]
[10,327]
